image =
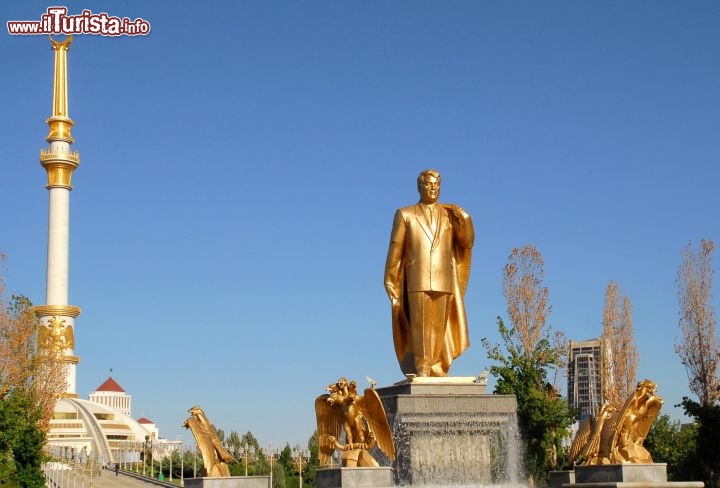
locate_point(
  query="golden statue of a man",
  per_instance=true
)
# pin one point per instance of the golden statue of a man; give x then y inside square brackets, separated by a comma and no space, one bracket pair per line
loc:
[426,274]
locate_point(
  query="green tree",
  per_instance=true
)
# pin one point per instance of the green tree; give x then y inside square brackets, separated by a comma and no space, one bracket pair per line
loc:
[669,442]
[234,444]
[238,448]
[527,357]
[261,465]
[39,372]
[279,476]
[221,435]
[30,382]
[707,418]
[21,442]
[309,473]
[192,463]
[286,461]
[699,351]
[237,468]
[543,416]
[248,439]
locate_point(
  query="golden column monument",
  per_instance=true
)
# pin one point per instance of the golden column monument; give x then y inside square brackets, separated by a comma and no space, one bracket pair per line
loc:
[57,317]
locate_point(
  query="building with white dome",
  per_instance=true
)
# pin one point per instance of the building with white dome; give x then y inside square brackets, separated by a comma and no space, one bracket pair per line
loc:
[102,430]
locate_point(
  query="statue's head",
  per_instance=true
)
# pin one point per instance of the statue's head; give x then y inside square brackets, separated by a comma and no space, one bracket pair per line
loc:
[334,398]
[428,184]
[646,387]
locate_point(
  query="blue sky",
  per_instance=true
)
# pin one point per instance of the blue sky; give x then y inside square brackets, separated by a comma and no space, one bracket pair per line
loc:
[240,167]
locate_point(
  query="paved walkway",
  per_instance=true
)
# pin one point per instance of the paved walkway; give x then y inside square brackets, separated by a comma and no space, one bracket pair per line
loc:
[68,478]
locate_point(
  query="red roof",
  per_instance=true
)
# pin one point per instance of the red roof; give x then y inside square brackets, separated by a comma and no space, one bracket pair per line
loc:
[143,420]
[110,385]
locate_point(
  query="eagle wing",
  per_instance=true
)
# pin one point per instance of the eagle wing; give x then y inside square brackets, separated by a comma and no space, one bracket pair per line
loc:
[374,413]
[43,337]
[653,406]
[581,438]
[611,429]
[329,423]
[222,453]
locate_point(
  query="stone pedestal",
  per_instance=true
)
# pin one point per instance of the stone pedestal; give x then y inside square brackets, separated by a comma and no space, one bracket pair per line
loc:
[559,478]
[449,431]
[621,476]
[618,473]
[228,482]
[355,478]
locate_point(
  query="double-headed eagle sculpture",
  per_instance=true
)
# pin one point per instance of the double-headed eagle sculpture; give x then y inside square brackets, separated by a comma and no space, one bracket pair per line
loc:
[616,436]
[55,337]
[361,418]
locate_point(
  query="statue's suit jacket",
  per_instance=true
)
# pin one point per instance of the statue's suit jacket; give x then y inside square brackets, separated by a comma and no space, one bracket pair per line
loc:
[420,260]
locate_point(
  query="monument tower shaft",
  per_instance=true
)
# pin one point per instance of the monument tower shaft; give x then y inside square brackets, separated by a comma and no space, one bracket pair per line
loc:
[57,316]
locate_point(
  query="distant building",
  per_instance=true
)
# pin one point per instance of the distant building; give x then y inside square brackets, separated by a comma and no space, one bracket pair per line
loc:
[150,427]
[99,431]
[103,428]
[585,376]
[112,395]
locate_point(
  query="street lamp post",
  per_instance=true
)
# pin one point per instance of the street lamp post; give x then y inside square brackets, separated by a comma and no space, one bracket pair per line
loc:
[248,452]
[89,467]
[182,466]
[195,463]
[300,459]
[271,459]
[178,437]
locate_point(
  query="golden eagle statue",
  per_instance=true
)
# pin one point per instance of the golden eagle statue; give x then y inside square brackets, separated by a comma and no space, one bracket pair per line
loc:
[361,418]
[215,457]
[616,437]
